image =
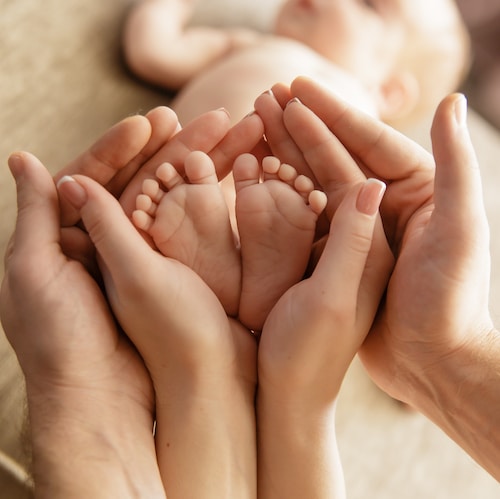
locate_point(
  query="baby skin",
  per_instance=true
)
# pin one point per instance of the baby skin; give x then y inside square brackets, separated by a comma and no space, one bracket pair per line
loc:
[276,211]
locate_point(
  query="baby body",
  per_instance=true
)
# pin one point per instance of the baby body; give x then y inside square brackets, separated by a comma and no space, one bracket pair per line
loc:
[253,68]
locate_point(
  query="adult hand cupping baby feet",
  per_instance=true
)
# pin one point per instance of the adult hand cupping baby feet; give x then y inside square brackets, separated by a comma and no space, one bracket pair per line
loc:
[87,387]
[308,341]
[276,212]
[202,363]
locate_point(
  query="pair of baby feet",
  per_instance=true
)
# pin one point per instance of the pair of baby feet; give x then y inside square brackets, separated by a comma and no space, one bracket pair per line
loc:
[276,210]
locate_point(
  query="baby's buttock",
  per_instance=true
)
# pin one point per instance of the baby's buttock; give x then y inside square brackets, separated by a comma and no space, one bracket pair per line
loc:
[235,81]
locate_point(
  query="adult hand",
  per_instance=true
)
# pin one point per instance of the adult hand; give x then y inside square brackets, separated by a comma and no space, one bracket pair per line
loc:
[313,333]
[417,207]
[434,345]
[86,385]
[194,353]
[434,332]
[117,155]
[437,299]
[130,151]
[354,145]
[211,133]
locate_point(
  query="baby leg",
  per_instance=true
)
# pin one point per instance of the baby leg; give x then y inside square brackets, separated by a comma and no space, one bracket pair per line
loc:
[276,222]
[188,221]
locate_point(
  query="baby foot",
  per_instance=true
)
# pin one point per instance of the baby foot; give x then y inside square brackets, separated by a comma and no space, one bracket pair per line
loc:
[188,221]
[276,223]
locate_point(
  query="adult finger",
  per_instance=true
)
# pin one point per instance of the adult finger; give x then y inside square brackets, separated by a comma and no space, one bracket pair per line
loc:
[107,156]
[385,151]
[117,242]
[202,134]
[281,93]
[164,124]
[458,188]
[332,166]
[244,136]
[280,143]
[344,258]
[37,224]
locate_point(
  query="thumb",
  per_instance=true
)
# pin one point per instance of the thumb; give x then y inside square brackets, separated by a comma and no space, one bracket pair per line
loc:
[458,188]
[37,223]
[117,241]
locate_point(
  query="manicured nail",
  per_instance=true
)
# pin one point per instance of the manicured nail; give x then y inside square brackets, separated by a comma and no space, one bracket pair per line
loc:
[370,196]
[72,191]
[461,110]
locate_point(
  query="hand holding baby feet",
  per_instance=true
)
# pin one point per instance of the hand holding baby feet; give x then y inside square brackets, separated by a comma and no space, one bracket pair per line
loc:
[188,220]
[317,326]
[308,341]
[87,388]
[202,364]
[276,222]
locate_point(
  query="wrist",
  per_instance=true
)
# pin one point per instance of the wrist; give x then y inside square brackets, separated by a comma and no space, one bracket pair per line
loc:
[460,394]
[433,386]
[297,449]
[216,372]
[213,422]
[85,445]
[300,417]
[299,392]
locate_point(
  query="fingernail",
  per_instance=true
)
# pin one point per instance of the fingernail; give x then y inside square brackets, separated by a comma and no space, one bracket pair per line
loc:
[224,110]
[72,191]
[294,100]
[461,110]
[270,93]
[370,196]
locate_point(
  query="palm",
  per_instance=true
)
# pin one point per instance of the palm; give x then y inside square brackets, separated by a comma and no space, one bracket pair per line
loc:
[96,356]
[429,308]
[65,333]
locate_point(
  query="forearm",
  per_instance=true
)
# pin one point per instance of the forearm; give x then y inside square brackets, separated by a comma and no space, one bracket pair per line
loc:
[161,48]
[297,450]
[462,396]
[206,442]
[82,449]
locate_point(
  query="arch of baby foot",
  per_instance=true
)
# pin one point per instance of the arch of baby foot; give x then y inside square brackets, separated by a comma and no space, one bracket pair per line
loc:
[186,217]
[277,223]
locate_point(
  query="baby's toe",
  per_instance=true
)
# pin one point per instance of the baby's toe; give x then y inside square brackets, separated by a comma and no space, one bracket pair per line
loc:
[200,169]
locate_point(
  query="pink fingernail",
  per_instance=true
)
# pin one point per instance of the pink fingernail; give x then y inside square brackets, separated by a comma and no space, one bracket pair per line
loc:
[370,196]
[295,100]
[270,93]
[72,191]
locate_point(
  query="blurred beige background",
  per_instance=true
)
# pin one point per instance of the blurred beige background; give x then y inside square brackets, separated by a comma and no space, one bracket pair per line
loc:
[62,84]
[483,84]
